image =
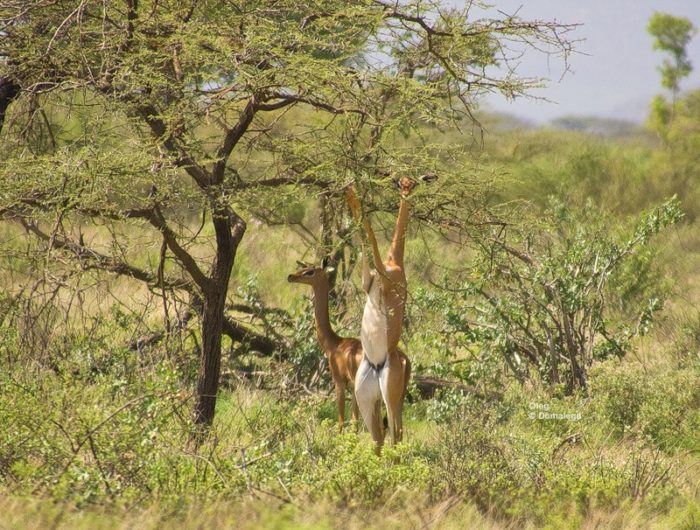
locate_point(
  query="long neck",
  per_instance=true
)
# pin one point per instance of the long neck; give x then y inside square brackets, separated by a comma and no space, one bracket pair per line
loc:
[326,336]
[399,239]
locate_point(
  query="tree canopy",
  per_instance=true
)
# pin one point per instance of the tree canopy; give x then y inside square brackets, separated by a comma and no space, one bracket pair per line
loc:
[671,35]
[184,120]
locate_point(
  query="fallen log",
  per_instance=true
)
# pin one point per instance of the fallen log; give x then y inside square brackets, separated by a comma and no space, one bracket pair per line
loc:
[428,385]
[234,330]
[247,337]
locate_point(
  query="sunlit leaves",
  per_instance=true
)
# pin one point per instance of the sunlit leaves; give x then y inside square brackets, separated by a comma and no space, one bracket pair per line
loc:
[545,297]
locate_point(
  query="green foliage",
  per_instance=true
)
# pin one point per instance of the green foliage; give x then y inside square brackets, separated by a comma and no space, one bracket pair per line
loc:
[663,407]
[619,177]
[683,137]
[448,403]
[686,347]
[449,339]
[120,438]
[471,460]
[352,473]
[305,352]
[660,116]
[89,442]
[507,469]
[671,35]
[622,177]
[544,303]
[102,430]
[621,395]
[148,116]
[113,98]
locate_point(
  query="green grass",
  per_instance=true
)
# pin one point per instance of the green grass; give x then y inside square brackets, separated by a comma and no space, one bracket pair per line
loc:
[273,454]
[97,436]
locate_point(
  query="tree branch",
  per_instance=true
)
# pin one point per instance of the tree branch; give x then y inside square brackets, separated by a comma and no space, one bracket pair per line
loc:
[283,181]
[153,215]
[91,259]
[157,219]
[296,98]
[233,136]
[183,160]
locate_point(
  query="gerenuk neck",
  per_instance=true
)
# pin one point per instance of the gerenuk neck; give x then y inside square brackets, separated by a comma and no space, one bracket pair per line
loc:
[398,242]
[326,336]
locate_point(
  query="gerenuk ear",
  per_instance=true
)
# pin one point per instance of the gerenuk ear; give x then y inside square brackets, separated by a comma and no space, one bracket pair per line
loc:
[429,179]
[325,262]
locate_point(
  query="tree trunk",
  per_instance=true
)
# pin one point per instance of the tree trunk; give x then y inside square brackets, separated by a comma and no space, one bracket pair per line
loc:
[9,90]
[229,229]
[210,367]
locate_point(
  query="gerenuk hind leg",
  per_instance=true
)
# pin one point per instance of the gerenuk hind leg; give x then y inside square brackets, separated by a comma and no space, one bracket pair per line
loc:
[368,396]
[392,386]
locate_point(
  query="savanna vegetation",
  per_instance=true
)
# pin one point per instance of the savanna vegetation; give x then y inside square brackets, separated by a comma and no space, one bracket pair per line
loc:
[166,164]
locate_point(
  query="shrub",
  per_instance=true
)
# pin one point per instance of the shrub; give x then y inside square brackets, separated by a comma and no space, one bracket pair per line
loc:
[351,473]
[663,407]
[542,302]
[620,394]
[475,460]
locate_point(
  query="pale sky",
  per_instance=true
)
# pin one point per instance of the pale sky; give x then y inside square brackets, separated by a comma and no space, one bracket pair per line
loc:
[617,77]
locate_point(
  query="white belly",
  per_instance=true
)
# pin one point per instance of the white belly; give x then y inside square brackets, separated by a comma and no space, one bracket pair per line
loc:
[374,326]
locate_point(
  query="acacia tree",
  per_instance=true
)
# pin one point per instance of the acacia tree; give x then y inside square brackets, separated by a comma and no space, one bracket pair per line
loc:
[155,114]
